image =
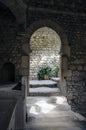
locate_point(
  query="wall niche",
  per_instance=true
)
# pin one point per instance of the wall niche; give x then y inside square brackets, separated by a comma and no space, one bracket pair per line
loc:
[8,72]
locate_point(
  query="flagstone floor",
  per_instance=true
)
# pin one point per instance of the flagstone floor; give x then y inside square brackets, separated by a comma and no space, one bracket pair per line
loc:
[52,113]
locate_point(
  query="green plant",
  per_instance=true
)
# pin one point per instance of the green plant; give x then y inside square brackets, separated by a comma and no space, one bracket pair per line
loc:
[56,71]
[40,74]
[46,70]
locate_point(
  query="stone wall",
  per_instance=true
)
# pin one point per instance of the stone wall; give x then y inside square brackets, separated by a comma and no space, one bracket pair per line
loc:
[76,84]
[10,48]
[74,25]
[71,16]
[45,47]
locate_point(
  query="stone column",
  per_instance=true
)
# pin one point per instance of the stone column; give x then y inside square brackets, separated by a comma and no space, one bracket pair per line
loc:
[23,72]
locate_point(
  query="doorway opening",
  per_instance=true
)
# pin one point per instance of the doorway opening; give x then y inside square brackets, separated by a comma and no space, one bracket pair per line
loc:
[45,59]
[8,73]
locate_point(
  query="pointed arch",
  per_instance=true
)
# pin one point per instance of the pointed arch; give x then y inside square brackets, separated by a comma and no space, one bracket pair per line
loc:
[65,49]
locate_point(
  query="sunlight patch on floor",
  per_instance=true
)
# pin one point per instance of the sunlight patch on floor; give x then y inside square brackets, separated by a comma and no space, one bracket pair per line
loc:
[61,100]
[41,107]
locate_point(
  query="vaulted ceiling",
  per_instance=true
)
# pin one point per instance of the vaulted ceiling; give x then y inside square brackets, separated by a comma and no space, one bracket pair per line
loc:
[64,5]
[19,7]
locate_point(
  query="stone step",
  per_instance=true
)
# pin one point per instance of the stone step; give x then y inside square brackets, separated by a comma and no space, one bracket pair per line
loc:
[41,83]
[43,88]
[44,91]
[44,94]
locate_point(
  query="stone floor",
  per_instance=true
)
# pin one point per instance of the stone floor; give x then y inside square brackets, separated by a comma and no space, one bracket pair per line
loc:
[52,113]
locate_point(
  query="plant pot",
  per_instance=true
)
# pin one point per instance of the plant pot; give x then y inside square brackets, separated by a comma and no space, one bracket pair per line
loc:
[46,77]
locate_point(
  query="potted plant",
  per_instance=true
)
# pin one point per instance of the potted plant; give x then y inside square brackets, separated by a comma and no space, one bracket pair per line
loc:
[44,72]
[47,72]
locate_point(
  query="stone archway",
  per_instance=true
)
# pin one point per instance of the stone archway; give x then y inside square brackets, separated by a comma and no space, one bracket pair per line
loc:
[65,50]
[45,45]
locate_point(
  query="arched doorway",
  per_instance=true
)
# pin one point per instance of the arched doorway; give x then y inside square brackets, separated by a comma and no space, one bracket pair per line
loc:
[45,62]
[8,73]
[65,49]
[45,45]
